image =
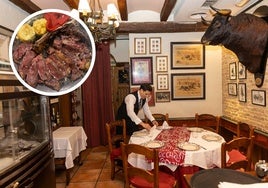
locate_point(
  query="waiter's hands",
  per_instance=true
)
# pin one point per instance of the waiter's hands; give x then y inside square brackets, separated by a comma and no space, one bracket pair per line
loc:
[154,122]
[147,126]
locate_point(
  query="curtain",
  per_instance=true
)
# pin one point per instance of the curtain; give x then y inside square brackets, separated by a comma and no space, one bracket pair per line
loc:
[97,98]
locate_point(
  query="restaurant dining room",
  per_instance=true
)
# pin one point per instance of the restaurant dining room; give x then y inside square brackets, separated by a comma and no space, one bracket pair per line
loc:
[97,94]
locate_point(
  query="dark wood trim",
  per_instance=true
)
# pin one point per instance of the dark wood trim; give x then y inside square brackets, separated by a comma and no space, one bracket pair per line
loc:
[159,27]
[72,4]
[122,6]
[26,5]
[167,9]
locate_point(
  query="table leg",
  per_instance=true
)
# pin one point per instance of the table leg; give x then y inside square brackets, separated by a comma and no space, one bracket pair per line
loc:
[68,176]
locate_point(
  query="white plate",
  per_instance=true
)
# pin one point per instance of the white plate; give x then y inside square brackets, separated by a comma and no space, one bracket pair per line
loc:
[154,144]
[195,129]
[39,80]
[163,128]
[188,146]
[211,137]
[141,133]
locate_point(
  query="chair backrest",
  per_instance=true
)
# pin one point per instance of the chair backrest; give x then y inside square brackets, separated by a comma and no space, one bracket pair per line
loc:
[244,146]
[159,117]
[208,121]
[131,171]
[244,130]
[113,137]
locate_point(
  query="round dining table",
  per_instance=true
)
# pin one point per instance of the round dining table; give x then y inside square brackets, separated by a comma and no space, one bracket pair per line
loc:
[179,146]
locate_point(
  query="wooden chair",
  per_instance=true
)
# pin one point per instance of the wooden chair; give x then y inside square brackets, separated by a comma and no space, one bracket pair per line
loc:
[139,178]
[114,140]
[240,153]
[208,121]
[159,117]
[244,130]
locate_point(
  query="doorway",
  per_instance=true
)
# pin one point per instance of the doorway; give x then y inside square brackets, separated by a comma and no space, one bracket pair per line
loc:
[120,83]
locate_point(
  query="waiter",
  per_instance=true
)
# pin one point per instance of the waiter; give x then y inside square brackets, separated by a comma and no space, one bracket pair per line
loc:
[131,106]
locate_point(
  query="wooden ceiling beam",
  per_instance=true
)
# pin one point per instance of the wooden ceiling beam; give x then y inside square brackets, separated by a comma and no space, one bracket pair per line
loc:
[122,6]
[167,9]
[159,27]
[72,4]
[26,5]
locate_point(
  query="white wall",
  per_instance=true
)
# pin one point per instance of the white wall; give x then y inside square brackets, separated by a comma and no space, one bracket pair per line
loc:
[213,70]
[11,15]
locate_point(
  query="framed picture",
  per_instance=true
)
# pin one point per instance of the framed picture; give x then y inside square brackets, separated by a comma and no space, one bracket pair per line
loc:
[232,89]
[162,96]
[232,71]
[141,70]
[161,63]
[242,72]
[258,97]
[188,86]
[242,92]
[151,101]
[187,55]
[155,45]
[140,46]
[162,81]
[5,36]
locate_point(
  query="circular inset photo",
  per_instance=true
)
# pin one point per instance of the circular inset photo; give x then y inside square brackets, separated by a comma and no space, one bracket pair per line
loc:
[52,52]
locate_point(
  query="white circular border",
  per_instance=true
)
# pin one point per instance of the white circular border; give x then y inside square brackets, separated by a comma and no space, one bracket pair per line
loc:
[52,93]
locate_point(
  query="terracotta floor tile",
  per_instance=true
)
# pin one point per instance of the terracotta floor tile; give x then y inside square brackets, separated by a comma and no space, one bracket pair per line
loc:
[86,176]
[94,173]
[110,184]
[82,185]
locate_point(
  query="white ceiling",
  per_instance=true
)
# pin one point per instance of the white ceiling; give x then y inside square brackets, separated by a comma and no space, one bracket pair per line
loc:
[149,10]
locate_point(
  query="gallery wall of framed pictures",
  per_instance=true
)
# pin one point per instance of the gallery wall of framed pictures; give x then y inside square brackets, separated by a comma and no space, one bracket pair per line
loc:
[238,87]
[150,64]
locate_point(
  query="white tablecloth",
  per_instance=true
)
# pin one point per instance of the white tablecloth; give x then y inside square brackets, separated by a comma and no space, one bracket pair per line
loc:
[208,156]
[68,142]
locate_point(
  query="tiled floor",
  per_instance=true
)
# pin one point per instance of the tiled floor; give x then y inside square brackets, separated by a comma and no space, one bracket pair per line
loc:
[94,173]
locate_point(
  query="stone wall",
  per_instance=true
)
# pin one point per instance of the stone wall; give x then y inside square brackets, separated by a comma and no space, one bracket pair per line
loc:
[235,110]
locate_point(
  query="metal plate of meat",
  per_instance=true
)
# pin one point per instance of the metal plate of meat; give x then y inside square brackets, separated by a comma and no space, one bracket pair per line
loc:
[52,52]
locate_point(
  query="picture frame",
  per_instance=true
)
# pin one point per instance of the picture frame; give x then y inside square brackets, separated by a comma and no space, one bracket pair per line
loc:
[232,71]
[139,45]
[232,89]
[187,55]
[242,71]
[188,86]
[162,97]
[242,92]
[258,97]
[155,45]
[5,36]
[141,70]
[151,101]
[162,82]
[161,63]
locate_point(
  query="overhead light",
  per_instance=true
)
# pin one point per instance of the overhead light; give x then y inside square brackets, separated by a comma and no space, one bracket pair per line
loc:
[103,27]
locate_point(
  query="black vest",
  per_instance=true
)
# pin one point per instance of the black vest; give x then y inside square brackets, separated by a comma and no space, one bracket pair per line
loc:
[122,110]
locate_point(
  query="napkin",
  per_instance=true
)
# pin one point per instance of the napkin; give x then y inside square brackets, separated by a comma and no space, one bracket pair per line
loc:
[236,185]
[153,132]
[165,125]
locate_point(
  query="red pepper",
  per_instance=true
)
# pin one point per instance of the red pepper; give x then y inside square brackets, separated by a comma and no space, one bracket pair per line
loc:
[55,20]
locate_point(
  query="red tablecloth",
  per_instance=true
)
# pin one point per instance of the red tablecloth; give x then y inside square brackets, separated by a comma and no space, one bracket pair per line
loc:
[170,153]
